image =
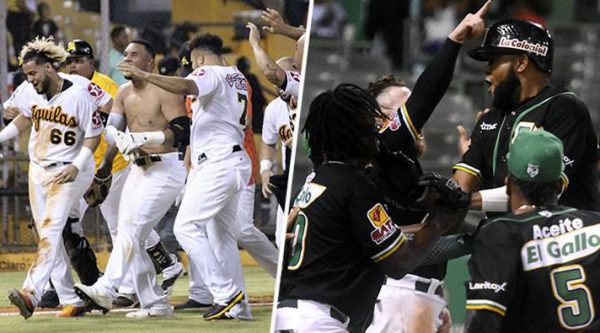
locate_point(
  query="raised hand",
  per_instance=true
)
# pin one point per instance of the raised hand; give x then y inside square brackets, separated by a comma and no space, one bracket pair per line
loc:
[254,35]
[472,26]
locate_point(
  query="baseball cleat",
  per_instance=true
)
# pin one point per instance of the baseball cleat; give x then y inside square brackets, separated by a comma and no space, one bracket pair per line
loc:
[191,304]
[152,312]
[71,311]
[22,301]
[49,300]
[93,298]
[126,300]
[170,275]
[219,311]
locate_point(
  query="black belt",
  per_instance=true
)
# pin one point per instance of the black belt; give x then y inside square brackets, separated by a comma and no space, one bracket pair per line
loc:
[57,164]
[146,160]
[202,157]
[334,313]
[424,288]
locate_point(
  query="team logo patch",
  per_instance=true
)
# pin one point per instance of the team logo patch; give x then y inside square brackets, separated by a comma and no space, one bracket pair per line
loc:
[96,119]
[236,80]
[533,170]
[94,90]
[71,46]
[310,192]
[378,216]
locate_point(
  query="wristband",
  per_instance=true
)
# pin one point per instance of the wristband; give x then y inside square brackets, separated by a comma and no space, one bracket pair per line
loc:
[9,132]
[265,165]
[494,200]
[83,157]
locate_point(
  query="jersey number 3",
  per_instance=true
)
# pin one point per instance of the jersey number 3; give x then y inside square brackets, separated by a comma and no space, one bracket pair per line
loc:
[576,309]
[56,137]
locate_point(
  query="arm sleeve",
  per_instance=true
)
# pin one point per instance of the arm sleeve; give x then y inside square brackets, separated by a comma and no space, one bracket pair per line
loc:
[432,85]
[89,117]
[493,267]
[269,129]
[206,81]
[473,159]
[291,85]
[566,120]
[371,224]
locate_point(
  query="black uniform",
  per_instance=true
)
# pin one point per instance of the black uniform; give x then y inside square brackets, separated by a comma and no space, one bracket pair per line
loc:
[397,178]
[343,230]
[540,271]
[555,110]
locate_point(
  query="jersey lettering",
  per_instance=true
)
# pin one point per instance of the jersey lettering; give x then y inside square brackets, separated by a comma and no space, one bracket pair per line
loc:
[52,114]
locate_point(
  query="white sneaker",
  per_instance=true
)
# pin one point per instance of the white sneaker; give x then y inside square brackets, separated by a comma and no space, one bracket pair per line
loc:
[151,312]
[94,297]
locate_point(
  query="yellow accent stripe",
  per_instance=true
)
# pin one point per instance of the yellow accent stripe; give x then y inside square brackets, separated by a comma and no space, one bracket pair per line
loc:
[409,122]
[486,307]
[469,171]
[392,250]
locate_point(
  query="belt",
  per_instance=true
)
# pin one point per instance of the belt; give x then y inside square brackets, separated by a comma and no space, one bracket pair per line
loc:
[202,157]
[424,288]
[146,160]
[333,312]
[57,164]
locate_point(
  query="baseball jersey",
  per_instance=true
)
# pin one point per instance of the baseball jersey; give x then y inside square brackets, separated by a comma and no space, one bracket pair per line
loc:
[219,113]
[278,126]
[292,83]
[555,110]
[61,124]
[342,231]
[540,270]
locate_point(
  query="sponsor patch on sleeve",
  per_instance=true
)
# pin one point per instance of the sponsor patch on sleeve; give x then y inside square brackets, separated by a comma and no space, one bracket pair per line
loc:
[377,215]
[384,227]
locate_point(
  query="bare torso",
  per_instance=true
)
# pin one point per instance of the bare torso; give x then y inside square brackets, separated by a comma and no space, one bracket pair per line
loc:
[143,108]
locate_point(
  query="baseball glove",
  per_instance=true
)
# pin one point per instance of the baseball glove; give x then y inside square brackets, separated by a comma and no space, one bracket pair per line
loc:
[98,191]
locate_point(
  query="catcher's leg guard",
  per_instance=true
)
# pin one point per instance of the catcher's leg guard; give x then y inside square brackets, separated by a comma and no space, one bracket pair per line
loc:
[81,255]
[160,257]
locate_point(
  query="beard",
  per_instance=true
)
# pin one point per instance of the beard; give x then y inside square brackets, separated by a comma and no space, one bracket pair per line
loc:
[43,86]
[507,93]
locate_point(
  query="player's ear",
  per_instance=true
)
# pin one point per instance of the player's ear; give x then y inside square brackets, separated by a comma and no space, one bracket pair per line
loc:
[522,62]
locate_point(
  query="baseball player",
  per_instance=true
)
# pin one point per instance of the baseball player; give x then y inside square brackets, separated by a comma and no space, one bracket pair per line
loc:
[287,80]
[519,56]
[65,131]
[156,123]
[278,125]
[344,238]
[81,62]
[536,269]
[220,170]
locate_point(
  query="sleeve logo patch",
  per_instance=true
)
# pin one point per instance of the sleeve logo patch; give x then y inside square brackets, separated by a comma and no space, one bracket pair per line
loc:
[310,192]
[378,216]
[95,91]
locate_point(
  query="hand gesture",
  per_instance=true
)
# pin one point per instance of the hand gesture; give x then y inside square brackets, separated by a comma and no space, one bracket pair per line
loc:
[254,35]
[265,176]
[131,72]
[66,175]
[472,26]
[274,21]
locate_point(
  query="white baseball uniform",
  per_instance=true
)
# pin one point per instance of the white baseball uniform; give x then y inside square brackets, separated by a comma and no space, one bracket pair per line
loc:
[205,225]
[278,126]
[60,126]
[402,308]
[292,83]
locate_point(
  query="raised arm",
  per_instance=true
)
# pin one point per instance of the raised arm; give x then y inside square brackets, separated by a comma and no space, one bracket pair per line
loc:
[270,69]
[276,25]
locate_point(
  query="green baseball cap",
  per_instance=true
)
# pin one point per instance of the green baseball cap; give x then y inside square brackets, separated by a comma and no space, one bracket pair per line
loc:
[536,157]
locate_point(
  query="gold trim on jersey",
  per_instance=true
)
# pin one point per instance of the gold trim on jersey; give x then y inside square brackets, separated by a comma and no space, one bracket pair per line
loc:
[390,249]
[406,117]
[485,304]
[468,169]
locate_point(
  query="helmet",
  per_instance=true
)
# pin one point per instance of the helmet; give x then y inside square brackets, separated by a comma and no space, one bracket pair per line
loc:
[79,48]
[518,37]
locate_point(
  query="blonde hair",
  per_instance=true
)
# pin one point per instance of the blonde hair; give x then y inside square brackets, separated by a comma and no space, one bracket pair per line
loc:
[43,48]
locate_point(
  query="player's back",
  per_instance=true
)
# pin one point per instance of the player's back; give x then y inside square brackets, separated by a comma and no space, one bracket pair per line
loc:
[330,262]
[558,275]
[219,114]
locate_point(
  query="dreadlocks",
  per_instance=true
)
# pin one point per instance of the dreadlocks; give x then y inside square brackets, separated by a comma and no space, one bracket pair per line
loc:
[341,124]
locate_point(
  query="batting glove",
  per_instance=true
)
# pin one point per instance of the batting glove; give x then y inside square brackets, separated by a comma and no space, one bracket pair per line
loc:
[449,190]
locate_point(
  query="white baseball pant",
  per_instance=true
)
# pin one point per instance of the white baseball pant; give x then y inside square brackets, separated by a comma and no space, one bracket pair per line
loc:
[308,316]
[50,207]
[206,226]
[403,309]
[148,193]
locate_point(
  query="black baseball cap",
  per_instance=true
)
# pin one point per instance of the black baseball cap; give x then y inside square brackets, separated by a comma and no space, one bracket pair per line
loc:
[168,65]
[80,48]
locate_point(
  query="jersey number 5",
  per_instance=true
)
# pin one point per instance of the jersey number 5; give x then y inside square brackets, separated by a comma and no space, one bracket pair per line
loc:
[297,253]
[56,137]
[576,309]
